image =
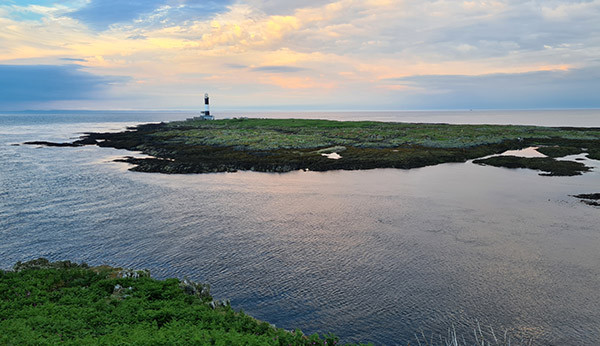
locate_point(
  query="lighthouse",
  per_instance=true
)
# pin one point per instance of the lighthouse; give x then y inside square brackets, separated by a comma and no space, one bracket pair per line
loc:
[205,115]
[206,106]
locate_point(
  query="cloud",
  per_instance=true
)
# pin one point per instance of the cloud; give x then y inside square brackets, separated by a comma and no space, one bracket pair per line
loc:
[23,84]
[73,59]
[236,66]
[576,88]
[278,69]
[137,37]
[180,11]
[278,7]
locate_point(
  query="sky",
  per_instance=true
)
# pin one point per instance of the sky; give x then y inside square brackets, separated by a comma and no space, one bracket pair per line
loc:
[299,55]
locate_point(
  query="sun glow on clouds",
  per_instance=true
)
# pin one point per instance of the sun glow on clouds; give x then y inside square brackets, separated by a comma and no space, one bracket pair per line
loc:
[330,50]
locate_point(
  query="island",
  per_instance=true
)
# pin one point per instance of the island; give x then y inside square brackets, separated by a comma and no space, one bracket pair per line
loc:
[283,145]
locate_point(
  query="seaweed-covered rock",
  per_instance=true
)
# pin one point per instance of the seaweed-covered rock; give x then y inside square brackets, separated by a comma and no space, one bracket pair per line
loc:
[589,198]
[550,166]
[53,144]
[595,196]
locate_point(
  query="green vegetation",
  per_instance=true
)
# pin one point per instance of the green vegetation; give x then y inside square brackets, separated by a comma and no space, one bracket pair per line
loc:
[559,151]
[594,154]
[45,303]
[272,134]
[550,166]
[283,145]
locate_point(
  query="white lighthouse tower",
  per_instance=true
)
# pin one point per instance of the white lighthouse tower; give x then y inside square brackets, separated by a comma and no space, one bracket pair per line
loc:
[205,114]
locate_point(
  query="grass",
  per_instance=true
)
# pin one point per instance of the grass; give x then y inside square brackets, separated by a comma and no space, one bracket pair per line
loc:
[479,337]
[47,303]
[269,134]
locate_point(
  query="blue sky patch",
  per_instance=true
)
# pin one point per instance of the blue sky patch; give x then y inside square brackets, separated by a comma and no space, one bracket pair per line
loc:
[39,83]
[100,14]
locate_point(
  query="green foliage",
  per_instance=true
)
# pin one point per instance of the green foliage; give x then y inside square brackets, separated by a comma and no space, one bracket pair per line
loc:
[594,154]
[45,303]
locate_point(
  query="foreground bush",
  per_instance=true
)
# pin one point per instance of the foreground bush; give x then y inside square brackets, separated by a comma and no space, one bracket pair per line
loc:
[44,302]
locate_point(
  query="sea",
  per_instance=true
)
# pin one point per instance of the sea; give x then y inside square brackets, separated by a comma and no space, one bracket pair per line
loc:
[386,256]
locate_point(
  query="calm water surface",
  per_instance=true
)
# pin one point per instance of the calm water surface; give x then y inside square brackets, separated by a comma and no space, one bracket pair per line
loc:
[371,255]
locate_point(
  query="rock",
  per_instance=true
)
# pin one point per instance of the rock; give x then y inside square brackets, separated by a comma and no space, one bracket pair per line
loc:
[195,289]
[589,198]
[52,144]
[595,196]
[135,274]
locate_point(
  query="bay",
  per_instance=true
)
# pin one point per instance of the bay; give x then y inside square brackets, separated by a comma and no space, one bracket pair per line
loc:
[375,255]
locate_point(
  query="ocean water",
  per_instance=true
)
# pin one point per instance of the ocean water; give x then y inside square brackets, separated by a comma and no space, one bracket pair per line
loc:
[375,255]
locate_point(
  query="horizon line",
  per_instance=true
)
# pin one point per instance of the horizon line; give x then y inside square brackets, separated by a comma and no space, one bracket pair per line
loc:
[250,110]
